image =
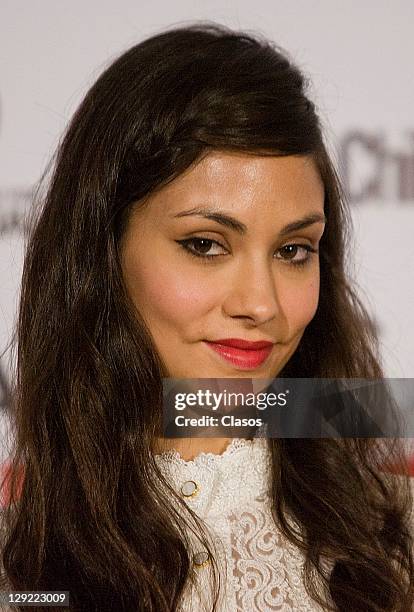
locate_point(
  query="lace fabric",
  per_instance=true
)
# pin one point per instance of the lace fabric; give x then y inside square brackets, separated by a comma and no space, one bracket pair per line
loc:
[260,570]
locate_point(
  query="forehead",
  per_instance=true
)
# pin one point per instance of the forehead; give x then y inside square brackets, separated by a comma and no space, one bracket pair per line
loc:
[245,185]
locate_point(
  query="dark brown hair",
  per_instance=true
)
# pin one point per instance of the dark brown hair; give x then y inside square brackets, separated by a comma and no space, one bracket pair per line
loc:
[87,391]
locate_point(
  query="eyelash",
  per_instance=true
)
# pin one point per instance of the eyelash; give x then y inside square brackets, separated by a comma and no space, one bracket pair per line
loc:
[184,243]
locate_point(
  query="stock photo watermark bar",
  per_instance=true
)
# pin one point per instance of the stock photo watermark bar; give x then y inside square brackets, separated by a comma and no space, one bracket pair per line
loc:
[288,407]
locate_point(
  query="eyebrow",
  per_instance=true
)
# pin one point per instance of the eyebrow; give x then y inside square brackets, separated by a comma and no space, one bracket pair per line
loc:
[241,228]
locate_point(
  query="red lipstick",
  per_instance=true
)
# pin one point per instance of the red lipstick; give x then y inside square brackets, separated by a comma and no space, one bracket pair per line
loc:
[242,353]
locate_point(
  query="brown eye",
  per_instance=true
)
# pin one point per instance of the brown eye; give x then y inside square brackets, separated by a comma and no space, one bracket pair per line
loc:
[202,245]
[289,251]
[296,254]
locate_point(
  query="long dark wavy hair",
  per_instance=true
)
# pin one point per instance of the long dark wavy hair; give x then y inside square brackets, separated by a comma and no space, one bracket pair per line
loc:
[87,391]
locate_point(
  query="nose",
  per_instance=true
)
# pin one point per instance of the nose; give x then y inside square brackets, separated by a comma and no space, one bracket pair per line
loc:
[252,292]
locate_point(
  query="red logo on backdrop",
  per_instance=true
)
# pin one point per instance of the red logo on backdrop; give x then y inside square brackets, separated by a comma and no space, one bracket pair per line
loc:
[5,483]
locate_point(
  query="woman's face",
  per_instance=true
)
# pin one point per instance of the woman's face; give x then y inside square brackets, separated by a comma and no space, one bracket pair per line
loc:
[228,250]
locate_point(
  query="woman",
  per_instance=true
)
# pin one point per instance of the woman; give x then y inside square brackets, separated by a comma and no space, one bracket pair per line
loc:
[192,203]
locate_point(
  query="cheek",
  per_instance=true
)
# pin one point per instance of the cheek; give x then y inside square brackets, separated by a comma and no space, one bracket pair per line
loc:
[170,296]
[299,302]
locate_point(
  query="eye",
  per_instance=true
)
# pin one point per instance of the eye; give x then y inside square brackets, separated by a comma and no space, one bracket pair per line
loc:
[201,247]
[296,254]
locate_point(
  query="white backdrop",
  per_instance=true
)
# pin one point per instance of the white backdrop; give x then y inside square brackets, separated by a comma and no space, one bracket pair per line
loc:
[359,56]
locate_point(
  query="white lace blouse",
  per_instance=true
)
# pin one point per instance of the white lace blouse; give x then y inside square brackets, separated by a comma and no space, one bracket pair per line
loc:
[260,568]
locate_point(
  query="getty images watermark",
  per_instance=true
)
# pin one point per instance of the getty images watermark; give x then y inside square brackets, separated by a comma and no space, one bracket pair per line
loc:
[288,407]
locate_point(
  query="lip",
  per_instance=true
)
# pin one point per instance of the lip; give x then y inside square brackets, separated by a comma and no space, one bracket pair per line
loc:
[242,353]
[242,344]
